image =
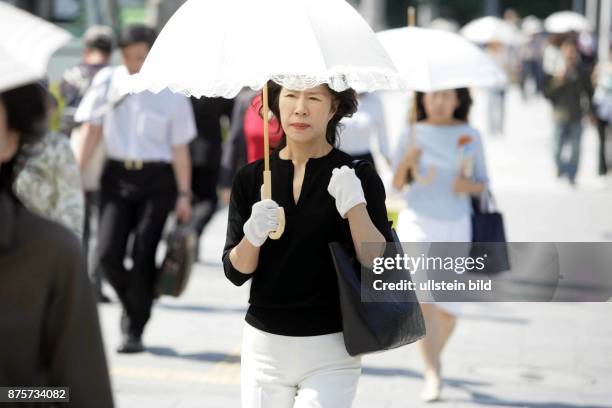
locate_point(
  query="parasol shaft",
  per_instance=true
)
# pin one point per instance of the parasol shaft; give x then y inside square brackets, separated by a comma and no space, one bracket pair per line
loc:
[267,176]
[411,17]
[265,128]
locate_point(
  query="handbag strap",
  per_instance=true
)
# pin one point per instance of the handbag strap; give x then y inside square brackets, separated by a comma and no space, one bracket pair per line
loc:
[485,203]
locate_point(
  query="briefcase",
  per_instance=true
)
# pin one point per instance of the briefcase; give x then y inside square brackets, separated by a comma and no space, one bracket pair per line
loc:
[181,253]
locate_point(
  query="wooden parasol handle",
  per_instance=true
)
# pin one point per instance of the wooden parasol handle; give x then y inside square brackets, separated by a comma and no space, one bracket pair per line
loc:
[267,175]
[411,17]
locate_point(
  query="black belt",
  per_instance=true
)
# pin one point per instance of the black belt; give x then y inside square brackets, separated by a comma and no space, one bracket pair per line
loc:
[137,164]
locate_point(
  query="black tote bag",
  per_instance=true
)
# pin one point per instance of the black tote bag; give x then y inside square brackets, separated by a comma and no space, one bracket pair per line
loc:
[488,235]
[371,326]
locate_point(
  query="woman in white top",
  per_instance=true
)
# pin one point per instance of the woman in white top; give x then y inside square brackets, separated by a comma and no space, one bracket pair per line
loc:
[444,154]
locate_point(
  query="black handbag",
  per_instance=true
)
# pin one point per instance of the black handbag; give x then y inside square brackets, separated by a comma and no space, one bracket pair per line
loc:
[371,323]
[488,235]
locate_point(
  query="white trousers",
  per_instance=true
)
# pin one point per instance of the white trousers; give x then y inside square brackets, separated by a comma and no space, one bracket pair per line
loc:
[296,372]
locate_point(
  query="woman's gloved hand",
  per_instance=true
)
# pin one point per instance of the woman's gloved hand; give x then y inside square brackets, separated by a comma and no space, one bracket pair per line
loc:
[346,189]
[263,220]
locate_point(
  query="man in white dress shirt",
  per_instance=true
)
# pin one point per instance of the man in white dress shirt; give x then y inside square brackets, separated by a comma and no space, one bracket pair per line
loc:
[147,173]
[366,124]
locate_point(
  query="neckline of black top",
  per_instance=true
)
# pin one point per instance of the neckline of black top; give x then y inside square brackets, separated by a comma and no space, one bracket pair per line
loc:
[288,162]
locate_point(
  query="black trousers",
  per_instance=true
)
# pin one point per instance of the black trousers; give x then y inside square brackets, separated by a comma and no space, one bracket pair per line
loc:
[204,187]
[133,202]
[602,130]
[89,231]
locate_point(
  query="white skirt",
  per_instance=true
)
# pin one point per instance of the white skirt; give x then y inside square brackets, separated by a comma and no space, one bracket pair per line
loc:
[414,227]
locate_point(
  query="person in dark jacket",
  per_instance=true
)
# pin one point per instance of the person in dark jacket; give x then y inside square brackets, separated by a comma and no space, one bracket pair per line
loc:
[570,90]
[205,152]
[51,334]
[293,350]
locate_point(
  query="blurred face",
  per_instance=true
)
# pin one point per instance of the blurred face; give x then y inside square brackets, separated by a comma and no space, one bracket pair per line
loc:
[134,56]
[305,114]
[440,106]
[93,56]
[9,139]
[569,52]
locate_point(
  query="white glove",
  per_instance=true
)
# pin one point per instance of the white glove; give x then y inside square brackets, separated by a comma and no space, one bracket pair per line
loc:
[345,187]
[263,220]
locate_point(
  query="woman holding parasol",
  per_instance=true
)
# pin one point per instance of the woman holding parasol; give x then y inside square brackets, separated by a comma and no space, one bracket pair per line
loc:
[438,208]
[304,195]
[440,157]
[293,350]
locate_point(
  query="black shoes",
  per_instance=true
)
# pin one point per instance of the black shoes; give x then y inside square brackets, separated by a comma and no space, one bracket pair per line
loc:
[130,344]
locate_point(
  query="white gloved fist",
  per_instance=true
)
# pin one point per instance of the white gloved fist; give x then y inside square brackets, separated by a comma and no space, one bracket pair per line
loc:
[346,188]
[263,220]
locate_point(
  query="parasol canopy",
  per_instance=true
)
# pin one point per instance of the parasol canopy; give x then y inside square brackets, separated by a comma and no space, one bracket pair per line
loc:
[26,44]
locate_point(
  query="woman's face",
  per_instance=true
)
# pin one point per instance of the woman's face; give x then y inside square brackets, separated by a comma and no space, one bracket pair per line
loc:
[440,105]
[305,114]
[9,139]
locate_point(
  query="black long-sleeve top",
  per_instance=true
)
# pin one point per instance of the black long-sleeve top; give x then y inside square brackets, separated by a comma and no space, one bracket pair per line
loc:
[294,291]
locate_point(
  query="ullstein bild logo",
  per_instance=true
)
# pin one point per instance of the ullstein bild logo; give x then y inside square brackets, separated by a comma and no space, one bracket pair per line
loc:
[432,285]
[414,264]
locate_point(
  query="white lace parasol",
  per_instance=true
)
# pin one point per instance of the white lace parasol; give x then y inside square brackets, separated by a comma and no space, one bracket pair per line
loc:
[215,48]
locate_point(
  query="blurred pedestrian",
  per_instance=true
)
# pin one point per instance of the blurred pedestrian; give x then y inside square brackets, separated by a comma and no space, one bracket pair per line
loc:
[602,101]
[147,173]
[531,53]
[293,353]
[76,81]
[52,334]
[245,141]
[98,41]
[497,95]
[366,126]
[570,91]
[49,183]
[205,152]
[438,206]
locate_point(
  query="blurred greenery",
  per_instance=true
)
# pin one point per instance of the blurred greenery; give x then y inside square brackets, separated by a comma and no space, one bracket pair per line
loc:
[131,15]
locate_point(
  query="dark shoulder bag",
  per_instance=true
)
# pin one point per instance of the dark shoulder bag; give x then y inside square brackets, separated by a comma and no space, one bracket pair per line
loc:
[372,321]
[488,235]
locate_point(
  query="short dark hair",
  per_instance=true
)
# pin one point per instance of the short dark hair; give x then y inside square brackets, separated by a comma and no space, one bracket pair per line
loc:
[26,112]
[347,105]
[99,38]
[461,113]
[137,33]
